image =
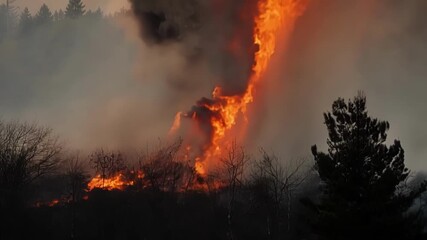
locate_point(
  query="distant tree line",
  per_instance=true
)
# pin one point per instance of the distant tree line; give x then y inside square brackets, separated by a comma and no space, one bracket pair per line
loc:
[358,189]
[18,23]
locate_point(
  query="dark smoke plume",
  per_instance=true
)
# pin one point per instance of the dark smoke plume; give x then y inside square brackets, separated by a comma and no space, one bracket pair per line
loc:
[218,31]
[224,33]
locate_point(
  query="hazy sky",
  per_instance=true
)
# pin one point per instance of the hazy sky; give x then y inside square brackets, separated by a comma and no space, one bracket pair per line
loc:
[106,5]
[107,90]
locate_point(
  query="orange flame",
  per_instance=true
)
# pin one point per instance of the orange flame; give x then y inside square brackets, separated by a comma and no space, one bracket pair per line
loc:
[176,123]
[114,183]
[273,14]
[53,203]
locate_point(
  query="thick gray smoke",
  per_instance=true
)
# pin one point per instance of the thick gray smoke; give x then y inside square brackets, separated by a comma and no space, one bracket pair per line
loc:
[218,32]
[221,36]
[103,86]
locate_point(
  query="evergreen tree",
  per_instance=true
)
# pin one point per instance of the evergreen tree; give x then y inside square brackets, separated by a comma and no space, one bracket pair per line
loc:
[95,15]
[8,19]
[25,21]
[75,9]
[56,16]
[3,20]
[365,196]
[61,15]
[44,15]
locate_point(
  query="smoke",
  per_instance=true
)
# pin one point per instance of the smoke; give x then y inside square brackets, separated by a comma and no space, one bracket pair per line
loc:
[94,82]
[336,49]
[108,6]
[218,33]
[102,86]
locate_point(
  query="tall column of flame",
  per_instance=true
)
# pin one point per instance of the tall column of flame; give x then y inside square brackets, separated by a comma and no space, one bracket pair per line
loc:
[272,15]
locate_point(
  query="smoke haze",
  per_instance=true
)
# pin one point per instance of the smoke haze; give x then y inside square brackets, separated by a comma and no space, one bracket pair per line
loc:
[336,49]
[105,86]
[107,5]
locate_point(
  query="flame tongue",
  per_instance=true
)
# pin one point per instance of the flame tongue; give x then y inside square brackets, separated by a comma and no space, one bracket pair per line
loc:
[115,182]
[223,111]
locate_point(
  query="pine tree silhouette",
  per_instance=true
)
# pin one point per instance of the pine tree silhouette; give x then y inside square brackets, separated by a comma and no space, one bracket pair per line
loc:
[365,196]
[75,9]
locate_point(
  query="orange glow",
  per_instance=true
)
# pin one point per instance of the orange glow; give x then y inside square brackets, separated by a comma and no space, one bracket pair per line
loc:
[53,203]
[200,169]
[176,123]
[273,15]
[114,183]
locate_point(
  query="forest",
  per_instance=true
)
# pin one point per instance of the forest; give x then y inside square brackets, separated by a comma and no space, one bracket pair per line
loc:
[357,188]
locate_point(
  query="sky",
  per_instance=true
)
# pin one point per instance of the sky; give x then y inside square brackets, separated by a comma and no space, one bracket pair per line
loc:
[106,5]
[129,92]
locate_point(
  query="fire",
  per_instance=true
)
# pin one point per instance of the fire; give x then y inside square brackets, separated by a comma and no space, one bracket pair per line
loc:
[53,203]
[114,183]
[176,123]
[222,111]
[225,110]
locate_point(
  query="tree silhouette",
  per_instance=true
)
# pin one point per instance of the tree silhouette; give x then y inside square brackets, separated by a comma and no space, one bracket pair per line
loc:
[76,178]
[107,164]
[27,152]
[365,196]
[25,21]
[94,14]
[162,170]
[273,186]
[76,185]
[44,15]
[75,9]
[8,18]
[232,172]
[61,15]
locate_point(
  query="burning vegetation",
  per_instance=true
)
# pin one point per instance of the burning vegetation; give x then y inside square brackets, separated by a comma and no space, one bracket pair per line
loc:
[216,117]
[205,185]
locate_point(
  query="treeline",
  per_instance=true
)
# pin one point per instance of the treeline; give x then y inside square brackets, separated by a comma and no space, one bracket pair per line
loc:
[358,189]
[15,23]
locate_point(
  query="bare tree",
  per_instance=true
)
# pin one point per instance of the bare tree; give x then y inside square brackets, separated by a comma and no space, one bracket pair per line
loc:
[76,177]
[279,183]
[232,173]
[76,184]
[27,152]
[162,169]
[107,164]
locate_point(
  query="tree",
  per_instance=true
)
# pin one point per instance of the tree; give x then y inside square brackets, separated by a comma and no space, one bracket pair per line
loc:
[233,168]
[60,16]
[8,18]
[163,171]
[76,184]
[107,164]
[3,21]
[95,14]
[273,186]
[44,15]
[25,21]
[75,9]
[76,178]
[27,152]
[365,196]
